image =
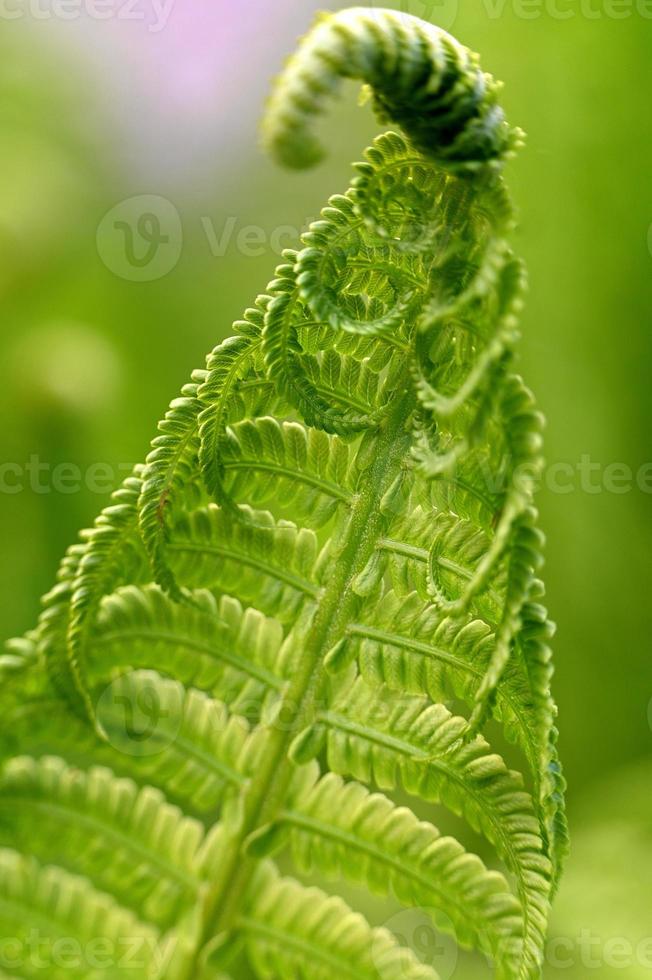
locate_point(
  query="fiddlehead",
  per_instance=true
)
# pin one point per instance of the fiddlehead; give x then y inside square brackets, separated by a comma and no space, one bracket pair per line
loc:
[368,402]
[422,79]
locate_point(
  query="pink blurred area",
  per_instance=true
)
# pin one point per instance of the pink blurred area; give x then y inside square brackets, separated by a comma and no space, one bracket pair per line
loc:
[180,82]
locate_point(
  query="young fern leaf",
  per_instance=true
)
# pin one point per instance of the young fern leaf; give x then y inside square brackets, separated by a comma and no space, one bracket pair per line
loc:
[169,468]
[299,619]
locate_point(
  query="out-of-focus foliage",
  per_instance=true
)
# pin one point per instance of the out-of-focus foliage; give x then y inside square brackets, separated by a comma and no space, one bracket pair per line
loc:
[601,923]
[580,86]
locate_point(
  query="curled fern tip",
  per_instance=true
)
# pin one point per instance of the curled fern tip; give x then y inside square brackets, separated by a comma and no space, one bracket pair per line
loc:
[421,79]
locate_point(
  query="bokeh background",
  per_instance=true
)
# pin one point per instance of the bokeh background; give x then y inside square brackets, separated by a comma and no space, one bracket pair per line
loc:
[153,111]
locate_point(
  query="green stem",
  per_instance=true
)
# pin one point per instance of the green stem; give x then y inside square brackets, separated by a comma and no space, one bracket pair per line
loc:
[265,795]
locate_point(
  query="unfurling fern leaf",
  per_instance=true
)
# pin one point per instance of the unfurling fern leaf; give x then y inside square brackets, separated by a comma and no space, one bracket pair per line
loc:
[318,601]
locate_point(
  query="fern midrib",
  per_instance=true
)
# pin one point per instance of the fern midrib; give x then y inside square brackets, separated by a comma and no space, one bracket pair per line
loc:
[398,866]
[327,488]
[386,338]
[388,269]
[231,379]
[247,667]
[308,950]
[418,646]
[335,720]
[79,618]
[423,556]
[419,554]
[172,467]
[67,812]
[186,749]
[428,650]
[344,398]
[265,794]
[295,581]
[472,491]
[190,749]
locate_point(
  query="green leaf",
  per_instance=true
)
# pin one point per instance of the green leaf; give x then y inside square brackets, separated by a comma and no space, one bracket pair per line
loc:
[324,582]
[297,932]
[341,829]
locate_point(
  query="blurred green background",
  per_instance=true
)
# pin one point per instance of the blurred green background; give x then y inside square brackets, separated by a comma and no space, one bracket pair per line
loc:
[93,114]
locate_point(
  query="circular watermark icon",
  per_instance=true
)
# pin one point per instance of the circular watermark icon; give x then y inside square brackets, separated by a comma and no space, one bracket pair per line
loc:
[441,13]
[140,714]
[416,931]
[140,239]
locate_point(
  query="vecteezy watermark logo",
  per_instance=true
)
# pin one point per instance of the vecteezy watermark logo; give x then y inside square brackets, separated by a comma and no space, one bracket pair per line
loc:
[562,10]
[154,14]
[562,477]
[140,714]
[141,239]
[599,953]
[442,13]
[415,930]
[34,953]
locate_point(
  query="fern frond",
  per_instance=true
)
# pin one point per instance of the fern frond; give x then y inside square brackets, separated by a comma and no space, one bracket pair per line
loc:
[211,645]
[302,932]
[169,467]
[228,364]
[129,843]
[306,470]
[409,647]
[291,629]
[68,915]
[343,830]
[267,564]
[111,553]
[376,738]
